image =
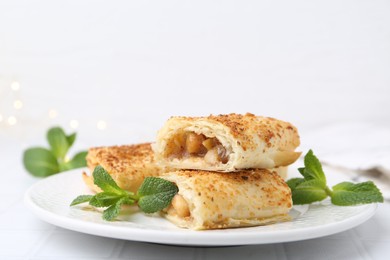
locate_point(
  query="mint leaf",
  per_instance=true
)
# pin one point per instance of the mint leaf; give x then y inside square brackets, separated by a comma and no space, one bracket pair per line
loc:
[71,138]
[78,160]
[308,192]
[302,171]
[104,181]
[113,211]
[313,187]
[348,194]
[105,199]
[96,203]
[81,199]
[313,168]
[129,200]
[46,162]
[40,162]
[155,194]
[111,198]
[294,182]
[64,167]
[58,142]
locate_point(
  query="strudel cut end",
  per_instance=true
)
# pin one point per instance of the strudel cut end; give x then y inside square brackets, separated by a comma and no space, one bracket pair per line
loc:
[226,143]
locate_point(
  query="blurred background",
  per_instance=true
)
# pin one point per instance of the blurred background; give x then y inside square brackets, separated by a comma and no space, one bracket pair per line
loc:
[114,71]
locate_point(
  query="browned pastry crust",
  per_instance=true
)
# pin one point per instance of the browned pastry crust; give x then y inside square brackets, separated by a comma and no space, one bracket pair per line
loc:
[246,141]
[223,200]
[128,165]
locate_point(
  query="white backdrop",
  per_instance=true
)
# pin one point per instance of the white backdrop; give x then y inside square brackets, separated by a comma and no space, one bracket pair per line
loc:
[135,63]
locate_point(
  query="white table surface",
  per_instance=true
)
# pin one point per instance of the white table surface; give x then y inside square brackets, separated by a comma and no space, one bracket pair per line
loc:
[24,236]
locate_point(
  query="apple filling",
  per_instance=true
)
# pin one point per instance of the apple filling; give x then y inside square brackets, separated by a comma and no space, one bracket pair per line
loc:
[190,144]
[179,207]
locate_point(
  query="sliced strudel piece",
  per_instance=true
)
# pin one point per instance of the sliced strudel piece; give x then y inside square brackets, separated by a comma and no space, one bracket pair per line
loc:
[226,143]
[128,165]
[211,200]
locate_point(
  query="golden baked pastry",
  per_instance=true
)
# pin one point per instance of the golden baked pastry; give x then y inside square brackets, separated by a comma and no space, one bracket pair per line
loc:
[226,143]
[282,171]
[128,165]
[211,200]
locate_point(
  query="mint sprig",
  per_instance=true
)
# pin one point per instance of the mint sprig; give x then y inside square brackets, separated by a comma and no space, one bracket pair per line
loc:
[42,162]
[153,195]
[313,187]
[347,193]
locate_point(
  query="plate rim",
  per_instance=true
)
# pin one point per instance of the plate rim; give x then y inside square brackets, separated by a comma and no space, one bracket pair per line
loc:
[185,237]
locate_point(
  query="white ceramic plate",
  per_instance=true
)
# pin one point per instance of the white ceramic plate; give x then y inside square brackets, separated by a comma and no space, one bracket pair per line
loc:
[49,199]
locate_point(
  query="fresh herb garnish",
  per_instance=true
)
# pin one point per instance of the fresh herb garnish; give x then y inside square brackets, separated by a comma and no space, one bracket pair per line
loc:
[42,162]
[154,195]
[312,187]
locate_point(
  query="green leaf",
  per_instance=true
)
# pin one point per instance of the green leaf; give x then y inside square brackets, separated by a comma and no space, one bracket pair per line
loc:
[348,194]
[294,182]
[313,168]
[104,181]
[308,192]
[64,167]
[96,203]
[71,138]
[77,161]
[155,194]
[58,142]
[113,211]
[106,199]
[81,199]
[40,162]
[312,183]
[129,200]
[302,171]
